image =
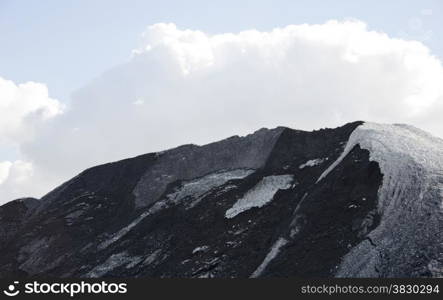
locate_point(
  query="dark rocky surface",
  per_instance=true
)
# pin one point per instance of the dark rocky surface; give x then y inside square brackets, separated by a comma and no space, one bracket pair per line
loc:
[165,214]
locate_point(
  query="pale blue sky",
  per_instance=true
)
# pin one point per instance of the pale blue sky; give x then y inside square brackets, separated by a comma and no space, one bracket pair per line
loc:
[66,43]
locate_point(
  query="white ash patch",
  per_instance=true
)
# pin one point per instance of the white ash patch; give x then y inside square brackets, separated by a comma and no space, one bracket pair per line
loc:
[262,193]
[206,275]
[409,199]
[134,261]
[152,257]
[436,268]
[200,249]
[233,244]
[73,216]
[275,250]
[122,232]
[196,189]
[313,163]
[114,261]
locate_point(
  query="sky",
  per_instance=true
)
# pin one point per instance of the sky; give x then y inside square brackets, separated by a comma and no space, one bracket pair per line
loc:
[87,82]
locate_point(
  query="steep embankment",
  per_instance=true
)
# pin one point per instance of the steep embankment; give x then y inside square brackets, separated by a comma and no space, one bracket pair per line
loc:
[336,202]
[410,203]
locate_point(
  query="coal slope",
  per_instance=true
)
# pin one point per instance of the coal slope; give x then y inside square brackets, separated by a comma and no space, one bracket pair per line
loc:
[242,207]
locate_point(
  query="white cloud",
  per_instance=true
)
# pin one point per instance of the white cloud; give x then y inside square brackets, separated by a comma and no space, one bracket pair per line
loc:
[24,108]
[5,166]
[16,178]
[198,88]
